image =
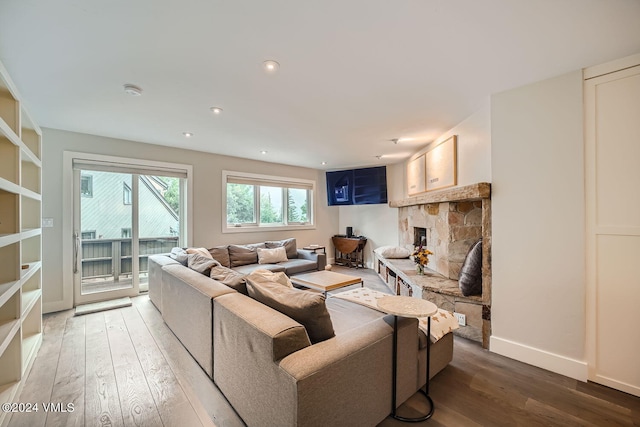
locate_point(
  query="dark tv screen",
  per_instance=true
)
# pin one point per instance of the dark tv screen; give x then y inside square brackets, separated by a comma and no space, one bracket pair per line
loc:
[357,186]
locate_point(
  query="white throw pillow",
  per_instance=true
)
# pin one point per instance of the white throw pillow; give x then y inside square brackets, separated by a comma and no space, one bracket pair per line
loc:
[267,276]
[272,256]
[392,252]
[201,251]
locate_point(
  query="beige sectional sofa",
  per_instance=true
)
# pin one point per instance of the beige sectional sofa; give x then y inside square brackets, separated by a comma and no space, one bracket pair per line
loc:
[268,369]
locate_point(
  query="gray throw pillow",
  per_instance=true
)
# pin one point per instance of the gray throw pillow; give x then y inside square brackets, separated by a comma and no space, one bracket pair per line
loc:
[180,255]
[470,280]
[201,263]
[229,277]
[306,308]
[221,254]
[289,245]
[244,254]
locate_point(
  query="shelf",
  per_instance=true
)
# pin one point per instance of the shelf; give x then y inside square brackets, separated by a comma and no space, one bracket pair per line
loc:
[27,273]
[29,156]
[30,213]
[7,290]
[7,239]
[29,299]
[9,187]
[7,394]
[31,232]
[30,134]
[7,333]
[30,346]
[30,194]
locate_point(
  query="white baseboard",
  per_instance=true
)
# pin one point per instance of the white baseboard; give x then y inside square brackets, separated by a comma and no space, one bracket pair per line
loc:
[52,307]
[562,365]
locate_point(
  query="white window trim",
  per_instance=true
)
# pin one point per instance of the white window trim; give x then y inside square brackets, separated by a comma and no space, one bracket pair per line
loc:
[252,228]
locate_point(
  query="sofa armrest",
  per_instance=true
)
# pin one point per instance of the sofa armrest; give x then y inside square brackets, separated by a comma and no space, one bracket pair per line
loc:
[321,259]
[187,310]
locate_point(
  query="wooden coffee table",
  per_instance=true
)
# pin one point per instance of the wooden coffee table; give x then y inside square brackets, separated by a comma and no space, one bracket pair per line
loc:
[325,281]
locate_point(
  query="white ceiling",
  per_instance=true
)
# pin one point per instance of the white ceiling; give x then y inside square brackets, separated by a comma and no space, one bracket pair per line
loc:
[354,73]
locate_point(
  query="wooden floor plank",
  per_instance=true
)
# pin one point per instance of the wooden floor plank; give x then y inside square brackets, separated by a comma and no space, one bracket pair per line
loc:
[136,402]
[102,403]
[210,404]
[68,387]
[170,399]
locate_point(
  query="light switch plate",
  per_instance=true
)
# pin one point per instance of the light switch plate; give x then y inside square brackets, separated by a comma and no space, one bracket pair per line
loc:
[47,222]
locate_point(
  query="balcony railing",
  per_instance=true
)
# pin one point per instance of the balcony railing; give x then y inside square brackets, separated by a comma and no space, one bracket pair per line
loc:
[111,258]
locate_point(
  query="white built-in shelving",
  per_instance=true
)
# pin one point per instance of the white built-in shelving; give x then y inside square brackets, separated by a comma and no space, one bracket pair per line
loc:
[20,241]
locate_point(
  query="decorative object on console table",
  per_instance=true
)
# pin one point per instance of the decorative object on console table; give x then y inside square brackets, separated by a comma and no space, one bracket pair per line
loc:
[349,250]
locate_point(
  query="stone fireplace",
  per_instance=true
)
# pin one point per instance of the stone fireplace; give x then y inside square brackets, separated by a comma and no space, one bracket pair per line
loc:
[448,221]
[449,229]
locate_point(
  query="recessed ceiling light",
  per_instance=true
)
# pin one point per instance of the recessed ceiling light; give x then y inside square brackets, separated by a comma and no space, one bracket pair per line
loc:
[216,110]
[187,134]
[324,163]
[271,66]
[379,156]
[132,90]
[263,152]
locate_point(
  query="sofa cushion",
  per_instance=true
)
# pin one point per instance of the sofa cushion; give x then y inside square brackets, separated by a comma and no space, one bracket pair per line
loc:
[306,308]
[233,279]
[262,276]
[470,280]
[200,263]
[295,266]
[392,252]
[244,254]
[272,256]
[180,255]
[248,269]
[201,251]
[221,254]
[289,246]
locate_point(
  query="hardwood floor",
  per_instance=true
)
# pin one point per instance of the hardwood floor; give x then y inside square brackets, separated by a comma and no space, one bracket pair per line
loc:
[124,367]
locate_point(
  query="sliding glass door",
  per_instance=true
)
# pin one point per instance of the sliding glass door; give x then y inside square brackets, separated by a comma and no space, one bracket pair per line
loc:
[120,218]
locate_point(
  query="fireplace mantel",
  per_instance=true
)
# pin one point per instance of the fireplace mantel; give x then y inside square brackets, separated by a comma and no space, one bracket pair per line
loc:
[479,191]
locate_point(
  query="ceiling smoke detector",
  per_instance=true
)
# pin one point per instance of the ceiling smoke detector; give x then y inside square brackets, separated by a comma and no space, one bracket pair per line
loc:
[132,90]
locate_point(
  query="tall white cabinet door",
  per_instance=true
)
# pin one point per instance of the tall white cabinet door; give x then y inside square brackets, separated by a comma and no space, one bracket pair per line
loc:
[612,170]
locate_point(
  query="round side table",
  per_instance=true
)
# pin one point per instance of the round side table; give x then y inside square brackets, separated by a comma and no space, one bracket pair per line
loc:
[408,307]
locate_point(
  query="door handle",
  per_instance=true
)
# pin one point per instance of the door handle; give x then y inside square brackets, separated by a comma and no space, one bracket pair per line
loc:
[76,249]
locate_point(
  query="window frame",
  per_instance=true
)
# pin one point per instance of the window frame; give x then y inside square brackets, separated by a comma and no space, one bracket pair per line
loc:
[127,194]
[269,181]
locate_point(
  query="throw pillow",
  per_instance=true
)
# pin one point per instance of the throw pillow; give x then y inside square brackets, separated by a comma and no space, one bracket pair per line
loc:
[470,280]
[201,251]
[244,254]
[221,254]
[229,277]
[289,245]
[306,308]
[272,256]
[391,252]
[200,263]
[179,255]
[262,275]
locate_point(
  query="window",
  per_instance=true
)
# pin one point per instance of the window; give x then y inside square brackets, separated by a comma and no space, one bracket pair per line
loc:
[126,194]
[260,201]
[86,186]
[88,235]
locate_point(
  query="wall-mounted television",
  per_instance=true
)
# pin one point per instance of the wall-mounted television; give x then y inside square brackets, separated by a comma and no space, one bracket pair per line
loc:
[364,186]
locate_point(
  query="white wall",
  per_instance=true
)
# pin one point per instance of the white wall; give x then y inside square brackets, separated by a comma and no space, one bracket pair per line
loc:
[538,289]
[207,196]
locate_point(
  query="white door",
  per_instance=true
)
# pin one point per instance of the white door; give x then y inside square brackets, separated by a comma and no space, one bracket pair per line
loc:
[612,152]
